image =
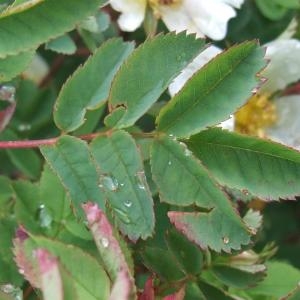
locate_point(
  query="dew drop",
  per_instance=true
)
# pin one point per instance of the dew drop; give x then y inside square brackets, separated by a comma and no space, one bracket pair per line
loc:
[225,240]
[169,163]
[104,242]
[141,180]
[24,127]
[44,217]
[128,203]
[7,93]
[109,183]
[21,271]
[245,192]
[187,152]
[7,288]
[172,136]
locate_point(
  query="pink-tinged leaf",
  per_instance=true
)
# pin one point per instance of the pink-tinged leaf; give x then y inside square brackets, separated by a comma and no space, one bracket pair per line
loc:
[210,230]
[177,296]
[108,246]
[122,287]
[7,94]
[26,264]
[148,293]
[51,282]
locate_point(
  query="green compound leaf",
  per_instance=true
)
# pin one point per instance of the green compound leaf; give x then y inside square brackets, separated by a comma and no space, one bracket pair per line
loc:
[266,169]
[147,73]
[89,86]
[71,161]
[11,66]
[182,181]
[214,92]
[29,28]
[124,183]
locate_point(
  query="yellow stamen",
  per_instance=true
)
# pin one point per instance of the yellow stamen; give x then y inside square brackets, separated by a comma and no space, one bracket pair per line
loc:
[257,114]
[156,4]
[164,2]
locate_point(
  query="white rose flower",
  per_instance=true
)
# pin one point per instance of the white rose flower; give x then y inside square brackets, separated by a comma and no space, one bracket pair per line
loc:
[264,115]
[205,18]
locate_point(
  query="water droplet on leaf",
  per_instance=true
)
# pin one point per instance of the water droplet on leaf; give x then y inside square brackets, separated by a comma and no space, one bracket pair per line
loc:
[7,93]
[104,242]
[169,163]
[141,180]
[24,127]
[7,288]
[109,183]
[21,271]
[44,216]
[128,203]
[172,136]
[225,240]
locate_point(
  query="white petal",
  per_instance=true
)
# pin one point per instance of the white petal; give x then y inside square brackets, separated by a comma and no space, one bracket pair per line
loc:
[202,17]
[228,124]
[284,66]
[203,58]
[132,13]
[234,3]
[287,128]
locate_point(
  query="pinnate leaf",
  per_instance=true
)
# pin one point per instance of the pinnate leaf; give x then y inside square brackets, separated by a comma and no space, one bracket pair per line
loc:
[147,73]
[89,86]
[266,169]
[124,183]
[70,159]
[28,28]
[183,181]
[214,92]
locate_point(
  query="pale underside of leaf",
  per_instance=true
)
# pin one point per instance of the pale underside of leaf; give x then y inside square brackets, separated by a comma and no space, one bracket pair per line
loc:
[123,181]
[214,92]
[147,73]
[264,168]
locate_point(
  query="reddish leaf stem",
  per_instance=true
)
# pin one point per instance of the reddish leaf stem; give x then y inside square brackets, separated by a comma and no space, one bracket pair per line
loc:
[45,142]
